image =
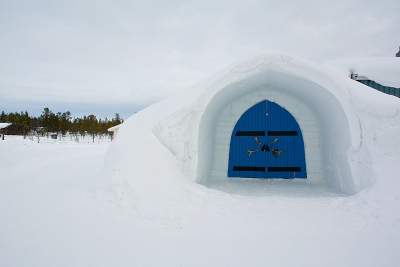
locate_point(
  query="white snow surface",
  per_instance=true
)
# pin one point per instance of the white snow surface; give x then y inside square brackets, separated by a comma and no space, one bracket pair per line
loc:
[59,207]
[4,125]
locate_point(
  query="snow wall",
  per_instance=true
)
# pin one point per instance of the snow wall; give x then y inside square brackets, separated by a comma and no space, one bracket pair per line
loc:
[196,125]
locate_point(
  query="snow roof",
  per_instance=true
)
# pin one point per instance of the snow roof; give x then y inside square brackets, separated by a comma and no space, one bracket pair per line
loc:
[385,71]
[114,128]
[4,125]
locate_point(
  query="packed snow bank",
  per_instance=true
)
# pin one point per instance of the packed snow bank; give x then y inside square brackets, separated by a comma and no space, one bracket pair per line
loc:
[187,125]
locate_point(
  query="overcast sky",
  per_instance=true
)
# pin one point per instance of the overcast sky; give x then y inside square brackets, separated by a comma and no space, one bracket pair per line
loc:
[81,53]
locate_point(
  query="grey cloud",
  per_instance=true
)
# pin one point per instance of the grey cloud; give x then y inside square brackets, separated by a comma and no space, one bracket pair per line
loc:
[136,51]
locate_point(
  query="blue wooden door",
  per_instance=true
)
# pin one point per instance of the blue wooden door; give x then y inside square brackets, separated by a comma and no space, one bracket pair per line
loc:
[267,143]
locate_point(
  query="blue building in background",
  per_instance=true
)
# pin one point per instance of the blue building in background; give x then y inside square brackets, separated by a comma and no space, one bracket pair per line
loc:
[373,84]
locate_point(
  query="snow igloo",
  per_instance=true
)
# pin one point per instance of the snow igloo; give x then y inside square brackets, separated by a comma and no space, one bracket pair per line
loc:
[273,121]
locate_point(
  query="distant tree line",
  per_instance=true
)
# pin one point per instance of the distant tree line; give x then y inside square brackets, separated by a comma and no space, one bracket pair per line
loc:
[60,123]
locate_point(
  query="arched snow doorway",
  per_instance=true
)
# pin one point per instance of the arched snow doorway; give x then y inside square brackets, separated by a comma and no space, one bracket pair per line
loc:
[329,128]
[199,133]
[267,142]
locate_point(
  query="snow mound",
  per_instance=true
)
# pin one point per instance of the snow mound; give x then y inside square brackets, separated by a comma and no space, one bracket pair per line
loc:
[177,137]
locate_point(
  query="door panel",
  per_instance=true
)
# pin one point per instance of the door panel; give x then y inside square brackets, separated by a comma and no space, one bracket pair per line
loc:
[267,143]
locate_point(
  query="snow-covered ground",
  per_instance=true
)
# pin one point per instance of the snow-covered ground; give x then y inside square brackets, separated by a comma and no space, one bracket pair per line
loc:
[58,209]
